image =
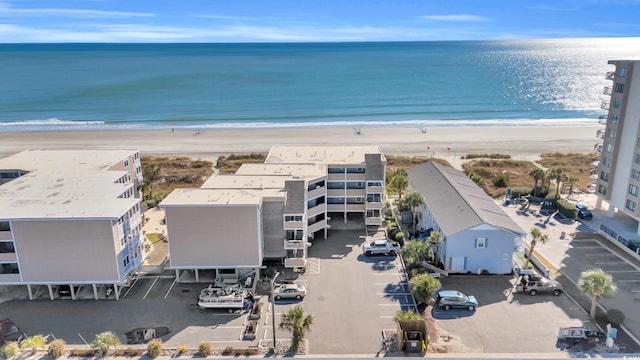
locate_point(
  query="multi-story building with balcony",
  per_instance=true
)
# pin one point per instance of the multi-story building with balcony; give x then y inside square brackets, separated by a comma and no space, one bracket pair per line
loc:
[70,218]
[618,180]
[287,203]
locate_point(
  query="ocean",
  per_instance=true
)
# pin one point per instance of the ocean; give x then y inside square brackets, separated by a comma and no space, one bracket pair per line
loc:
[270,85]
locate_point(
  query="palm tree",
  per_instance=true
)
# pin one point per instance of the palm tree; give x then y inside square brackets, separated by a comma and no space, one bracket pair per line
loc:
[537,174]
[295,321]
[104,341]
[33,343]
[572,182]
[435,237]
[415,251]
[150,173]
[558,175]
[596,283]
[536,236]
[423,286]
[399,183]
[413,200]
[407,315]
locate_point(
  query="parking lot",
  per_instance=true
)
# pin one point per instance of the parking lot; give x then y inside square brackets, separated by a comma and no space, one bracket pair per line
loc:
[505,322]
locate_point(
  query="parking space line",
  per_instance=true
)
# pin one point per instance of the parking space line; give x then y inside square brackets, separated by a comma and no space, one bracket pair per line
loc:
[622,271]
[150,287]
[598,255]
[586,247]
[635,291]
[130,287]
[609,262]
[397,304]
[628,280]
[392,293]
[171,287]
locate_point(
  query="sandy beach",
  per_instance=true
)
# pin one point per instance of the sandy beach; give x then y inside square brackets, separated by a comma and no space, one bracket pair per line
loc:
[444,142]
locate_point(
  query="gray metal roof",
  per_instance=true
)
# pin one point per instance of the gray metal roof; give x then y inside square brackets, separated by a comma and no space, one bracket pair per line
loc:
[375,169]
[295,203]
[455,201]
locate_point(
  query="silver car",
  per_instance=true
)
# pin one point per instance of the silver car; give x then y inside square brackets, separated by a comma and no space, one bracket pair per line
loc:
[290,291]
[535,284]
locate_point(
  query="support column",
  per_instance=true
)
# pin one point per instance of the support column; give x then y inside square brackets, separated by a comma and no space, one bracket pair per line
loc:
[30,292]
[73,292]
[611,211]
[197,276]
[117,288]
[345,216]
[50,291]
[599,203]
[325,233]
[95,292]
[638,230]
[177,276]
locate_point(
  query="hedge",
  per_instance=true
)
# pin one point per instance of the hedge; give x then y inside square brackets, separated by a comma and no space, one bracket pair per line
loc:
[566,208]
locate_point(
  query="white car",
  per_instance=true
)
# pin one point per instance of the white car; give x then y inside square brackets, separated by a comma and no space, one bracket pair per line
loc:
[382,247]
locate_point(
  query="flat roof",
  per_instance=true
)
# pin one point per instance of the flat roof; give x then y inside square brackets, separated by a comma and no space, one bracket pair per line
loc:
[301,170]
[330,155]
[246,182]
[213,197]
[64,184]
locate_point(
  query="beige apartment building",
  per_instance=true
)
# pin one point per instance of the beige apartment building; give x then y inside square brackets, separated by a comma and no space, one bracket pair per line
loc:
[618,181]
[273,210]
[70,217]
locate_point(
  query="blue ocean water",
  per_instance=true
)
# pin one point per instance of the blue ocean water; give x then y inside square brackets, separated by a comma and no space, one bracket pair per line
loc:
[108,86]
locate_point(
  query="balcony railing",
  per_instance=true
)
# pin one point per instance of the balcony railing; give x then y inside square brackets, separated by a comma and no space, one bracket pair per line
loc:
[604,105]
[608,90]
[294,244]
[318,209]
[596,163]
[293,262]
[610,75]
[597,147]
[319,191]
[373,221]
[293,225]
[600,133]
[317,226]
[602,119]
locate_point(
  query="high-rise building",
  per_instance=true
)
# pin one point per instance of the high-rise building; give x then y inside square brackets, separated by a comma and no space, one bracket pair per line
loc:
[618,181]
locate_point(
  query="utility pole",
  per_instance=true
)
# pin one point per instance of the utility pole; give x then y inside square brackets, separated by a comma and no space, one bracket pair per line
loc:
[273,310]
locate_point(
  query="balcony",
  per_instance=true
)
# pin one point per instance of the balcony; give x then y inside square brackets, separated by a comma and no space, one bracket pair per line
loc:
[375,189]
[604,105]
[335,207]
[6,235]
[318,209]
[317,226]
[294,244]
[373,221]
[600,133]
[9,257]
[336,176]
[608,90]
[355,192]
[602,119]
[356,176]
[595,163]
[594,174]
[293,225]
[374,205]
[355,207]
[610,75]
[294,262]
[597,147]
[319,191]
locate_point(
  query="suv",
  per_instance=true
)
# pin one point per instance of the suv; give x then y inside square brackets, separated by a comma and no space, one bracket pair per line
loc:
[535,284]
[583,213]
[385,247]
[448,299]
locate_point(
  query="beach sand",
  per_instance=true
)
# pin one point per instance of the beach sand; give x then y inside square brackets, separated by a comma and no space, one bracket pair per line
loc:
[445,142]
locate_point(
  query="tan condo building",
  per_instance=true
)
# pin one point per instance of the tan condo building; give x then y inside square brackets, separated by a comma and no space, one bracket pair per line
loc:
[70,218]
[618,181]
[271,211]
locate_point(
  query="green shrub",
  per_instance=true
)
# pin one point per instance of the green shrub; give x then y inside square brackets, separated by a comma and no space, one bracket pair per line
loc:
[154,348]
[56,349]
[181,349]
[205,349]
[566,208]
[615,316]
[399,237]
[9,350]
[130,351]
[250,351]
[228,350]
[520,191]
[84,353]
[500,181]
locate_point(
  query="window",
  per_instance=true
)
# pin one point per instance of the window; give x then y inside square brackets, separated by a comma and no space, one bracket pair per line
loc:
[609,147]
[356,200]
[7,247]
[635,174]
[602,189]
[125,261]
[458,263]
[335,200]
[9,268]
[637,160]
[335,185]
[481,243]
[631,205]
[633,190]
[619,88]
[614,119]
[374,198]
[622,72]
[5,226]
[606,161]
[612,133]
[336,170]
[617,103]
[126,164]
[374,183]
[604,176]
[373,213]
[293,218]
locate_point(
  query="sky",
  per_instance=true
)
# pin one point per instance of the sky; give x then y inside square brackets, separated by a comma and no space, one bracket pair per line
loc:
[135,21]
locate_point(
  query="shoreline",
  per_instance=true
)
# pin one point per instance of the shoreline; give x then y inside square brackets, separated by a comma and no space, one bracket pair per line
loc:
[445,142]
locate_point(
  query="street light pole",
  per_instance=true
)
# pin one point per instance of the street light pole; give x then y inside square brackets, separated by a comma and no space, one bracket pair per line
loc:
[273,310]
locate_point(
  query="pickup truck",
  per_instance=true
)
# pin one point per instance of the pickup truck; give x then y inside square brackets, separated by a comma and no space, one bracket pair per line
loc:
[382,247]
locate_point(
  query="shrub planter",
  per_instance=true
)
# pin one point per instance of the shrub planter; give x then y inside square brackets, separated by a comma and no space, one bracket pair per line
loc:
[250,330]
[255,311]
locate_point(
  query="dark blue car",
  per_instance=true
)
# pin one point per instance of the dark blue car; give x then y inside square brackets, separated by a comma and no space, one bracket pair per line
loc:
[583,213]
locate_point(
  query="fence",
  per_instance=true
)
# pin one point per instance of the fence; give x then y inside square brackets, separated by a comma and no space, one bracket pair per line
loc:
[632,247]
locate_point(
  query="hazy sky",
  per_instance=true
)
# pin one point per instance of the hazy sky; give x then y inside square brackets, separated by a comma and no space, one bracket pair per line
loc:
[312,20]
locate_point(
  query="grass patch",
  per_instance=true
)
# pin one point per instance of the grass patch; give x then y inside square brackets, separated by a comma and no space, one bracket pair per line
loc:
[154,238]
[175,173]
[406,162]
[485,156]
[230,164]
[575,164]
[514,172]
